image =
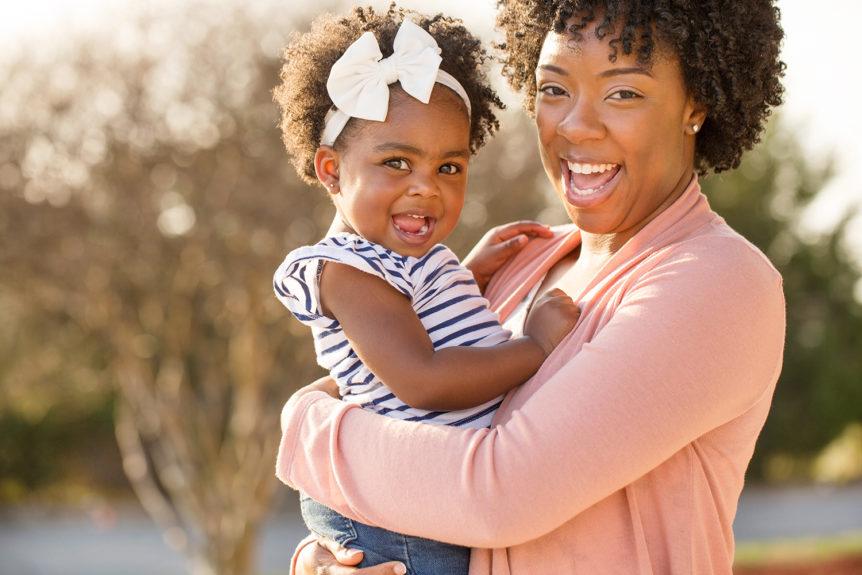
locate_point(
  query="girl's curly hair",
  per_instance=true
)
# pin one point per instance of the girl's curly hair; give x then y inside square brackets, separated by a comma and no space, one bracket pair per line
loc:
[308,58]
[728,53]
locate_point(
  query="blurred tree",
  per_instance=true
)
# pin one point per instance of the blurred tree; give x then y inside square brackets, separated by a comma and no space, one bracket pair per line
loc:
[146,203]
[147,200]
[819,394]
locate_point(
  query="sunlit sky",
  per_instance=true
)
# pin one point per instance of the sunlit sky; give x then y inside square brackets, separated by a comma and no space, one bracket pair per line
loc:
[823,80]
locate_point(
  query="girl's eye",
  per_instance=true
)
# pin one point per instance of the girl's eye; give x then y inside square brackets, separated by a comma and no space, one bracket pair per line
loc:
[397,163]
[450,169]
[552,90]
[625,95]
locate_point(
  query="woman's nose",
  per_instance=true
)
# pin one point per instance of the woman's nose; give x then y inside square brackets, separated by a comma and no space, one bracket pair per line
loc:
[581,122]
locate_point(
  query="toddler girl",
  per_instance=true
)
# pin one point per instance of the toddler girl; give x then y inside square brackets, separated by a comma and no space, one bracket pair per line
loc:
[389,138]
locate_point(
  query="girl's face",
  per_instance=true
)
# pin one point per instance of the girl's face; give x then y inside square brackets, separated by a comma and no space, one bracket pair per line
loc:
[401,183]
[616,138]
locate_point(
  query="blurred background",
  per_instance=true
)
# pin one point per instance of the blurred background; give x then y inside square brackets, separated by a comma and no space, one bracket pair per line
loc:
[145,200]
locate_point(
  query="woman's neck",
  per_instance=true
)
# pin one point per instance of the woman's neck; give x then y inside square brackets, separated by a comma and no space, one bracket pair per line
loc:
[596,249]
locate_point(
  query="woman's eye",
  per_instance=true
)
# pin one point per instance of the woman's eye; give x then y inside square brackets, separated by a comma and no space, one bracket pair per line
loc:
[450,169]
[625,95]
[397,163]
[552,90]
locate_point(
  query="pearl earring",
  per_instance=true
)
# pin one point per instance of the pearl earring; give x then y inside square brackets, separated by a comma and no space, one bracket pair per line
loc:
[695,128]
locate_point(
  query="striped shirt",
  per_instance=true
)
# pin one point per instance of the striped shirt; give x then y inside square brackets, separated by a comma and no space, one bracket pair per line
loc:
[443,294]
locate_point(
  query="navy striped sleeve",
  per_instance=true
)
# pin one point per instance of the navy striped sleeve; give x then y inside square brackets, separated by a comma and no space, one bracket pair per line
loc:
[296,281]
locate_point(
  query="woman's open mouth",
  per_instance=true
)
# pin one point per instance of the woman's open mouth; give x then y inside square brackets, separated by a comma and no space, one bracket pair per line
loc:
[414,228]
[588,184]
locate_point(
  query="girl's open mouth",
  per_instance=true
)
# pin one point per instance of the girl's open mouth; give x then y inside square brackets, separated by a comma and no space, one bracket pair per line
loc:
[413,229]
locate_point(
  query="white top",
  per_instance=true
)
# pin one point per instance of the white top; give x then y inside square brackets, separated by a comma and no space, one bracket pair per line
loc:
[442,292]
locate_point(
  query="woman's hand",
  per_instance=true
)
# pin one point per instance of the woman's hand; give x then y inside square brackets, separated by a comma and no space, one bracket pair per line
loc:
[328,557]
[325,384]
[499,245]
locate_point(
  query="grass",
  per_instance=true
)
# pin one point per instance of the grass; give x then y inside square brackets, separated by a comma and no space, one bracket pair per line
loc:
[756,553]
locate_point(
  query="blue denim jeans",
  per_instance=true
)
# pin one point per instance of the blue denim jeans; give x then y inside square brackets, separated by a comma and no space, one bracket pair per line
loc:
[421,556]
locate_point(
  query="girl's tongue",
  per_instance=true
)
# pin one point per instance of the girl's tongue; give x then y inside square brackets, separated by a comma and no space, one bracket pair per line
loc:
[409,224]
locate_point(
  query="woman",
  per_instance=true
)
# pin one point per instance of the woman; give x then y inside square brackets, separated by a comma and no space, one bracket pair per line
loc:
[626,452]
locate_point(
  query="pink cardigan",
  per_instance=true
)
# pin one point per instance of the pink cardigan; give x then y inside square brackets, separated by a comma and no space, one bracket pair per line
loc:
[625,453]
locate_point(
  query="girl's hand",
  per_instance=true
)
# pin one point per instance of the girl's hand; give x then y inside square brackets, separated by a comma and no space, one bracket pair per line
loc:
[328,557]
[499,245]
[551,319]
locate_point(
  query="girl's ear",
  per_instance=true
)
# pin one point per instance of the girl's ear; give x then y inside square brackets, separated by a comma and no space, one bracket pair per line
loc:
[326,161]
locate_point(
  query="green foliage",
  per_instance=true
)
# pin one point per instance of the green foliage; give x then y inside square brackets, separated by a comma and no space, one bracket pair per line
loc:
[64,446]
[820,390]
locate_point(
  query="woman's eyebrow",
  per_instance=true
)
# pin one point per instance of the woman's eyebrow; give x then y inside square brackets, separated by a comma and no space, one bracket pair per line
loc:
[622,71]
[554,69]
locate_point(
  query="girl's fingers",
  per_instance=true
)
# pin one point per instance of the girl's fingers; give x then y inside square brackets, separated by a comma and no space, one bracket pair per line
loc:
[507,248]
[527,227]
[516,243]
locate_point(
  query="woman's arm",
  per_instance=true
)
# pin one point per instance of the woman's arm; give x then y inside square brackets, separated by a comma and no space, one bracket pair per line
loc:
[691,347]
[388,337]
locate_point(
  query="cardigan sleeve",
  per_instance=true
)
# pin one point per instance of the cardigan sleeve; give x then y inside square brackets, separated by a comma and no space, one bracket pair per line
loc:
[694,343]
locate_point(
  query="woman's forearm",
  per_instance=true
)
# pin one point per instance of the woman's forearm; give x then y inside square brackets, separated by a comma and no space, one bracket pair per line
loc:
[671,365]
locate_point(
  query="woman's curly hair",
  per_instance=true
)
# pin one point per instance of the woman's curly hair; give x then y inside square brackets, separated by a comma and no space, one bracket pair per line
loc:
[308,58]
[728,53]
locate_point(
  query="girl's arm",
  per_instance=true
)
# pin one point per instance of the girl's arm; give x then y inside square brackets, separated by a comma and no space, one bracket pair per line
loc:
[391,341]
[693,345]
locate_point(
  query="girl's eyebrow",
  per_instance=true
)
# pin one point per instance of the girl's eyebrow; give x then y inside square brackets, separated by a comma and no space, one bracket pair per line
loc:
[397,147]
[408,149]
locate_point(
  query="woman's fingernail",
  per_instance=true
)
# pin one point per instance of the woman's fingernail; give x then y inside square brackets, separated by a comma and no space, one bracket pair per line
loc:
[353,552]
[399,569]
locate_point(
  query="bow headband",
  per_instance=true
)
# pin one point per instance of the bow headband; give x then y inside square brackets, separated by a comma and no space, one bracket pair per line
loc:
[359,81]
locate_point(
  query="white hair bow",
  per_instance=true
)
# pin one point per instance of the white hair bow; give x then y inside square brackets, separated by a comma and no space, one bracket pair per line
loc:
[359,81]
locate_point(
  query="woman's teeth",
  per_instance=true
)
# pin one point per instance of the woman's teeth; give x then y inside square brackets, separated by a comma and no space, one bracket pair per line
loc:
[590,168]
[582,179]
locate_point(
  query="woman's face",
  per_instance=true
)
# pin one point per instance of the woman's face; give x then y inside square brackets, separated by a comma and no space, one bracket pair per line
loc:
[616,138]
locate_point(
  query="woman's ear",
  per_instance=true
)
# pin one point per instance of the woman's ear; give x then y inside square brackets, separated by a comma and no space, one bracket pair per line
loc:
[695,117]
[326,160]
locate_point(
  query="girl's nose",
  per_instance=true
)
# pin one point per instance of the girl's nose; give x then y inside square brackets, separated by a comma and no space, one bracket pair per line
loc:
[581,122]
[423,185]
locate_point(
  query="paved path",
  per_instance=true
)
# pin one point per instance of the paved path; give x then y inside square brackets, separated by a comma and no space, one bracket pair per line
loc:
[125,542]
